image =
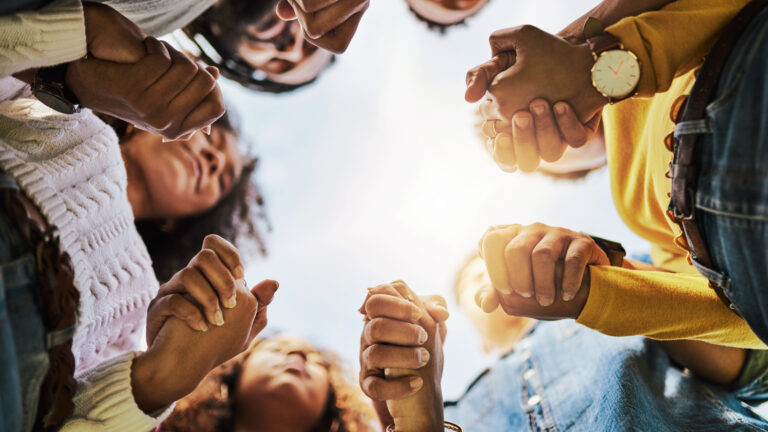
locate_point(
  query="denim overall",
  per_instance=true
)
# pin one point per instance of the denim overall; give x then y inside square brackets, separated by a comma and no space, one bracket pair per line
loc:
[566,377]
[732,193]
[23,352]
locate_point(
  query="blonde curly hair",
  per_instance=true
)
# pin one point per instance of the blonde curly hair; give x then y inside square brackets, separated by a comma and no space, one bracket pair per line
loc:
[211,408]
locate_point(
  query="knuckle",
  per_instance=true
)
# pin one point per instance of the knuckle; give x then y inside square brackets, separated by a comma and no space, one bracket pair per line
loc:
[543,254]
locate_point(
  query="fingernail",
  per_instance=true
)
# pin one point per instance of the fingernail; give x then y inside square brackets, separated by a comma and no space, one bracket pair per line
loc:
[207,130]
[165,140]
[544,300]
[522,121]
[202,326]
[539,109]
[242,283]
[560,108]
[481,300]
[422,336]
[423,356]
[568,296]
[230,302]
[525,294]
[218,318]
[416,383]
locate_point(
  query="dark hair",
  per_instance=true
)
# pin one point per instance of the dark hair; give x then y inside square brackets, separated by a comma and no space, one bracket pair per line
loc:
[236,217]
[211,407]
[440,27]
[232,17]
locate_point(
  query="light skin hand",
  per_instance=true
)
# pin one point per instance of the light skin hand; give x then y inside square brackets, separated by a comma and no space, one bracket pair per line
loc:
[540,133]
[210,281]
[179,357]
[401,356]
[538,261]
[328,24]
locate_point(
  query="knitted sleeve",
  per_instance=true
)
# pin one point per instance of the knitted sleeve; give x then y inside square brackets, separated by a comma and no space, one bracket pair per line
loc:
[48,36]
[104,400]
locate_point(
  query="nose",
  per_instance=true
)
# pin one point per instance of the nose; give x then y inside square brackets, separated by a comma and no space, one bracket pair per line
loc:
[214,158]
[293,52]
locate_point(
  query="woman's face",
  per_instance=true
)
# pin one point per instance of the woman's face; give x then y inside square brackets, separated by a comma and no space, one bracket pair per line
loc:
[179,179]
[446,11]
[284,382]
[280,50]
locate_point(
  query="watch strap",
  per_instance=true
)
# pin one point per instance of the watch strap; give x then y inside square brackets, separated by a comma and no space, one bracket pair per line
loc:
[614,250]
[603,42]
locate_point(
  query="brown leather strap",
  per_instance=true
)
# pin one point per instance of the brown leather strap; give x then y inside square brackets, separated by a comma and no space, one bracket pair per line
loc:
[683,170]
[603,42]
[59,301]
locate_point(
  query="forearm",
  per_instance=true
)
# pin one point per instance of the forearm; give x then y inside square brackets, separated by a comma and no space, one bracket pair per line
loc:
[662,306]
[609,12]
[718,364]
[51,35]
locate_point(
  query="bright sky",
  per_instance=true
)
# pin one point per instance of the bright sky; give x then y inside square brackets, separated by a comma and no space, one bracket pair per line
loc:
[376,174]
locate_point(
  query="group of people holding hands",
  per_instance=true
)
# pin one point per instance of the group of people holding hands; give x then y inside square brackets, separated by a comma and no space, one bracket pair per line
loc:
[127,198]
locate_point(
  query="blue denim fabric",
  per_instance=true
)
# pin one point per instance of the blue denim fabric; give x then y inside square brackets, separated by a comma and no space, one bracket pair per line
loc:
[24,359]
[565,377]
[732,195]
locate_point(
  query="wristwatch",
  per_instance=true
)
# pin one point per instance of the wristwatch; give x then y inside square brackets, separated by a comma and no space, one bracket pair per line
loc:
[49,88]
[616,72]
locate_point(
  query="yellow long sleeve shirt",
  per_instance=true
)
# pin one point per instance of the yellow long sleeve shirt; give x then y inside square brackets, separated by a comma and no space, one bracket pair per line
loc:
[670,43]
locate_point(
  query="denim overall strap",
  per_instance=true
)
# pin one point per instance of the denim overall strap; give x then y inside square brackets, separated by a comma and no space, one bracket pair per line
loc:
[683,170]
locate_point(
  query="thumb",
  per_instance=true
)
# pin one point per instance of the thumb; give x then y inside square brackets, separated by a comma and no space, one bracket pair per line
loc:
[264,291]
[285,11]
[487,299]
[479,78]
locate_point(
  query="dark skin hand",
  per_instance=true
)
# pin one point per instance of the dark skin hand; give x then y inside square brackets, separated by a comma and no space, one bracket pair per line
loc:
[401,356]
[141,80]
[328,24]
[179,357]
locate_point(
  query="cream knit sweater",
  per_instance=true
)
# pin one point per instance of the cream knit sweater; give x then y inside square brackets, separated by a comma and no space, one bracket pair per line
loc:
[55,33]
[71,167]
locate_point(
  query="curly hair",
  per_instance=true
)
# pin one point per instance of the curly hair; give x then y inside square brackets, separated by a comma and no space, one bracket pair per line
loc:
[211,407]
[238,217]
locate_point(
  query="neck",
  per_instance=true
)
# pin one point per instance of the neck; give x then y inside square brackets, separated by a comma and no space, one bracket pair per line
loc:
[136,188]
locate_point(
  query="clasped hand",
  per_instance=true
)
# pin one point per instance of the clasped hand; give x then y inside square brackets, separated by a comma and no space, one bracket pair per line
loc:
[401,356]
[531,72]
[202,317]
[328,24]
[537,271]
[141,80]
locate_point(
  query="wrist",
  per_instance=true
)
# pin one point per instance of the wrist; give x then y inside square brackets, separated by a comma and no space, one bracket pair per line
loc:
[153,384]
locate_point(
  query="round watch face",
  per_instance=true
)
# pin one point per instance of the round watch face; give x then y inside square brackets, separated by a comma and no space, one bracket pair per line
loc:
[616,73]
